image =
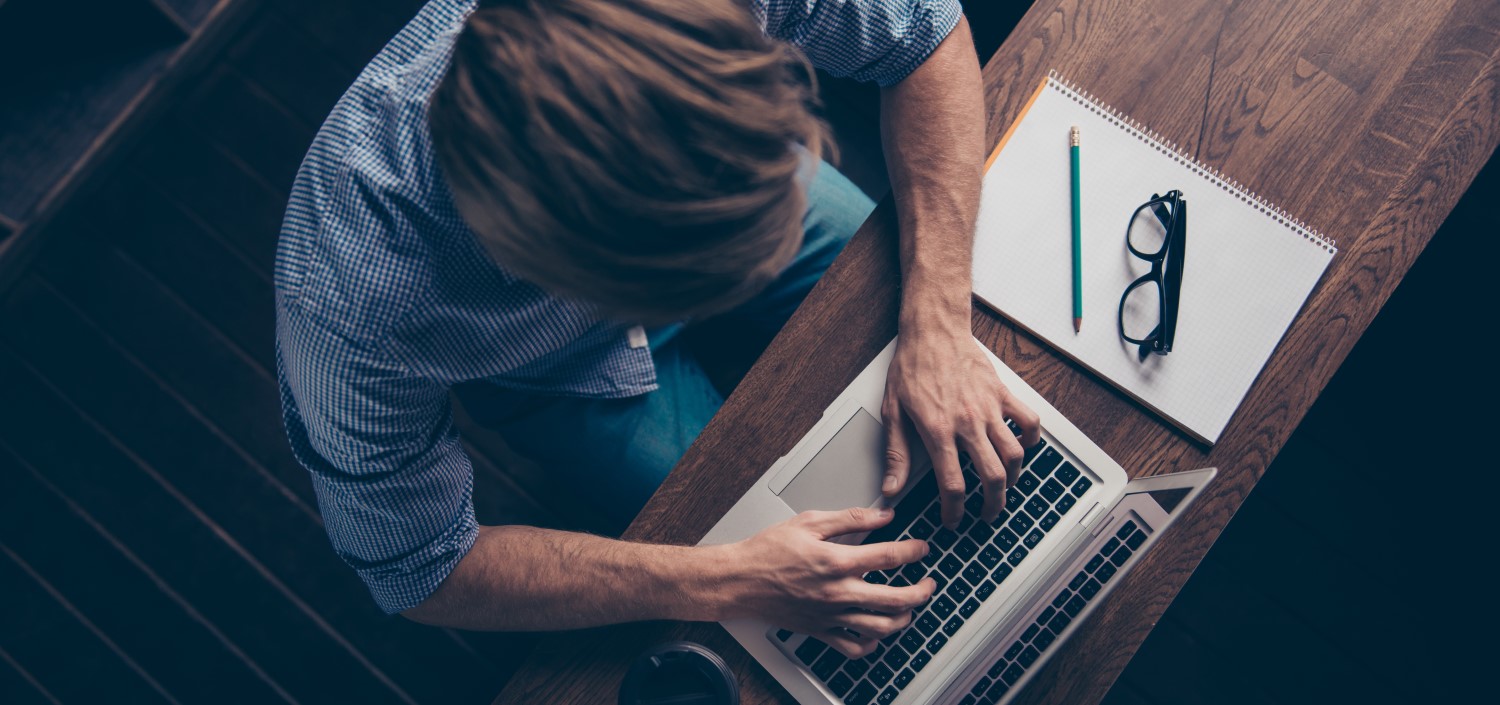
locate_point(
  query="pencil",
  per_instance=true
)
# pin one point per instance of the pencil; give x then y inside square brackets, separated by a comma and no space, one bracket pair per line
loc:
[1077,239]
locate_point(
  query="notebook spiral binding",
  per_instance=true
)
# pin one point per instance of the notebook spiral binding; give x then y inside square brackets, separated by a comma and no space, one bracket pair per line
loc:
[1156,141]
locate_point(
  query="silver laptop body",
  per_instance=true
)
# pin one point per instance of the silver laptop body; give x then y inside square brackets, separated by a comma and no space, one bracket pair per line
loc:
[1033,598]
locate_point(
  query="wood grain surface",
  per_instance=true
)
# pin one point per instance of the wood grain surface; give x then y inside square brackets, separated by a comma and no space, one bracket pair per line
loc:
[1367,120]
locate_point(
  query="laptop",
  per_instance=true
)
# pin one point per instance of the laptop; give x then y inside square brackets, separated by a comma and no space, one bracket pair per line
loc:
[1010,593]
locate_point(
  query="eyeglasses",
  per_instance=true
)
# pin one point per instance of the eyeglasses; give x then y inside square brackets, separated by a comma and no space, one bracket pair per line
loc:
[1157,233]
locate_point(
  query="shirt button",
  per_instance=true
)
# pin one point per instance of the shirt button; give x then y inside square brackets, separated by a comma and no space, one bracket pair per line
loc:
[637,337]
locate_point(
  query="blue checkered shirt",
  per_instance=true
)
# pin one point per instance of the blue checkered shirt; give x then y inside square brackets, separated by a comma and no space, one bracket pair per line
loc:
[384,300]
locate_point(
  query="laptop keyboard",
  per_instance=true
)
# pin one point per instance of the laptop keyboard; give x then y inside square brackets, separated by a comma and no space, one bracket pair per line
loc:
[968,566]
[1064,608]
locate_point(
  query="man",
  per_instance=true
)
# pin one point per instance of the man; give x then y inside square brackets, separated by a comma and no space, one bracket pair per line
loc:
[507,193]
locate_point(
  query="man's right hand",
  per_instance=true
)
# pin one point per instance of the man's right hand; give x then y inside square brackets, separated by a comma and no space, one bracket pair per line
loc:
[794,577]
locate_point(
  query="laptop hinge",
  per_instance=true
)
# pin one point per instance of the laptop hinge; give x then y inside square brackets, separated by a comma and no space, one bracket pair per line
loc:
[1089,516]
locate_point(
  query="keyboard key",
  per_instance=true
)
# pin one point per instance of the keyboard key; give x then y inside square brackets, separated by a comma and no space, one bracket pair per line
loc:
[896,658]
[1121,556]
[973,503]
[1081,486]
[826,664]
[1060,621]
[913,572]
[921,529]
[1046,461]
[980,687]
[1049,521]
[1094,563]
[880,648]
[856,669]
[875,578]
[1074,606]
[927,624]
[937,642]
[1125,530]
[952,626]
[981,532]
[1012,674]
[989,557]
[1037,508]
[950,565]
[932,556]
[1001,572]
[996,692]
[1017,555]
[1106,572]
[939,578]
[887,696]
[1089,589]
[1061,599]
[1067,473]
[968,608]
[1109,547]
[1052,489]
[966,548]
[899,581]
[1033,538]
[1013,499]
[934,514]
[974,573]
[1078,581]
[1013,652]
[1043,618]
[911,640]
[1028,657]
[1066,503]
[942,607]
[1015,428]
[984,590]
[1136,539]
[1033,451]
[919,660]
[862,695]
[959,590]
[969,700]
[1044,639]
[1007,539]
[810,650]
[1030,632]
[1021,523]
[943,539]
[841,685]
[1028,483]
[903,678]
[880,675]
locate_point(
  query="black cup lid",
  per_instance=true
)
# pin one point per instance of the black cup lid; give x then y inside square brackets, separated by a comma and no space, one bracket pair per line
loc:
[679,673]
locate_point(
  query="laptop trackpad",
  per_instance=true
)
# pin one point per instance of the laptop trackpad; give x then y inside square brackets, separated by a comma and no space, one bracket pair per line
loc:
[846,472]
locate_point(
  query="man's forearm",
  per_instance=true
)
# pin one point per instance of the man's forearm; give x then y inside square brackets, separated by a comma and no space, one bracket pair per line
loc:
[932,124]
[520,578]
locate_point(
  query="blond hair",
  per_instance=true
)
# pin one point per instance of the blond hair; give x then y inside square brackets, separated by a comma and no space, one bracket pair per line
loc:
[641,155]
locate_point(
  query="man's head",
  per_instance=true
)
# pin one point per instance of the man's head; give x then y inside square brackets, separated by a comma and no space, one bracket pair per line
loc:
[641,155]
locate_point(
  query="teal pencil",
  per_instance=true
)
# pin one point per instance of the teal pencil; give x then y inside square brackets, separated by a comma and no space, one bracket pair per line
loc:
[1077,240]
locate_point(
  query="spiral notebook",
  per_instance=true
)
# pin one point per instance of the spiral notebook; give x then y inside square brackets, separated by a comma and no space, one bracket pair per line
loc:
[1249,267]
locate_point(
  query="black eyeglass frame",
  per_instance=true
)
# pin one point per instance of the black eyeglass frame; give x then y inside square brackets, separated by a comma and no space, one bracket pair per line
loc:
[1166,271]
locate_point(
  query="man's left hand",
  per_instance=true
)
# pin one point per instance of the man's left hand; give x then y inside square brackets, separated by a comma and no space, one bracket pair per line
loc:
[942,391]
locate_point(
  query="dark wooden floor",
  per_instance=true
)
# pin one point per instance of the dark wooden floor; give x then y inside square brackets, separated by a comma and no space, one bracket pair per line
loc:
[159,543]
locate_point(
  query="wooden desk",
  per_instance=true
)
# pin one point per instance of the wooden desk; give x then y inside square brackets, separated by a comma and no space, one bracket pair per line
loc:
[1368,120]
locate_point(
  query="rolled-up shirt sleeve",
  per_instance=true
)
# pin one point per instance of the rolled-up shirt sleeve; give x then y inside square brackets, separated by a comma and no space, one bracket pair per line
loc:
[394,485]
[880,41]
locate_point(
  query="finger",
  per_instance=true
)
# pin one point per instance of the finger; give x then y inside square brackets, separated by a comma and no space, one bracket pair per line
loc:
[1030,423]
[897,447]
[853,520]
[888,555]
[892,600]
[950,477]
[871,625]
[992,473]
[1005,444]
[848,644]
